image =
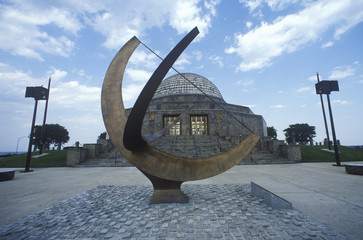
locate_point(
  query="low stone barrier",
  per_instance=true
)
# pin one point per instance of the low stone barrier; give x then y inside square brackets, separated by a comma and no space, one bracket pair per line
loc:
[6,175]
[354,168]
[271,199]
[75,156]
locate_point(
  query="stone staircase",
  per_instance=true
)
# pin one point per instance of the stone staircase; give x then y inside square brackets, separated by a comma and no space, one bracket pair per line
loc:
[106,159]
[189,147]
[258,156]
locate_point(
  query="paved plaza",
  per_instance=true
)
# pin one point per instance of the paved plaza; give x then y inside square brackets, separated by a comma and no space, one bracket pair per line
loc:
[112,203]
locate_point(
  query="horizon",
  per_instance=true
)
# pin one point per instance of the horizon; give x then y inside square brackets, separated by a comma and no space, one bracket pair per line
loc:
[259,54]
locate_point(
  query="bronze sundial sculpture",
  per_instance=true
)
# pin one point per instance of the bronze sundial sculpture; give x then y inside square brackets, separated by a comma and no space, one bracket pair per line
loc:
[165,171]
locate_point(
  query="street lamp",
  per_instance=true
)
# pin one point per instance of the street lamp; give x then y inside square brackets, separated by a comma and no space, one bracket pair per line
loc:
[38,93]
[326,87]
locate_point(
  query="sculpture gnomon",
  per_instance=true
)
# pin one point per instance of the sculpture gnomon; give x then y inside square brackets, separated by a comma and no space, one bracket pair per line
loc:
[165,171]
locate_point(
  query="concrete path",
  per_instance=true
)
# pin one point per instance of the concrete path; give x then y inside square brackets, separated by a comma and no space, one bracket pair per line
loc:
[320,190]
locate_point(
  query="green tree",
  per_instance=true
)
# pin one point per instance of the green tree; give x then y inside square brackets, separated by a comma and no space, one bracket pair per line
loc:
[301,132]
[102,135]
[53,134]
[272,132]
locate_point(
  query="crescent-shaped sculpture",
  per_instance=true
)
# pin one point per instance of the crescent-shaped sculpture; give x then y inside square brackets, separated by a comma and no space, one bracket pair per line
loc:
[158,166]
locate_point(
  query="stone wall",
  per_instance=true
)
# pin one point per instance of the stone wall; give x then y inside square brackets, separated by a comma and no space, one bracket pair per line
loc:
[75,156]
[220,123]
[291,152]
[93,149]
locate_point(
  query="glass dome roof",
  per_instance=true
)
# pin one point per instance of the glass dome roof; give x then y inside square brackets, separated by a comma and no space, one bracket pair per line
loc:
[178,85]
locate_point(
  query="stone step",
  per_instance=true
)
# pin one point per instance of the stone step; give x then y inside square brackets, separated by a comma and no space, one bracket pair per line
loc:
[263,156]
[104,162]
[190,147]
[266,161]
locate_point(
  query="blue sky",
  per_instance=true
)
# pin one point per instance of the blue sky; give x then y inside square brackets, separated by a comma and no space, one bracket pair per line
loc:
[261,54]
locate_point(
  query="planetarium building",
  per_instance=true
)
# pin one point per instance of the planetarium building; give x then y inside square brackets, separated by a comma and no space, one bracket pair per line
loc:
[208,124]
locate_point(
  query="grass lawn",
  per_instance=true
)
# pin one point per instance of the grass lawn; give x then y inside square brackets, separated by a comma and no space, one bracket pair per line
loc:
[316,154]
[53,159]
[58,158]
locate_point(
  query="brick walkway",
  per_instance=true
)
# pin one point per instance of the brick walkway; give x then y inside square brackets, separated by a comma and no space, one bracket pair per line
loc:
[226,211]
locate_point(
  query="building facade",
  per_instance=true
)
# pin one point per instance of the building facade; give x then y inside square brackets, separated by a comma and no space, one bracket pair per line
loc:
[208,124]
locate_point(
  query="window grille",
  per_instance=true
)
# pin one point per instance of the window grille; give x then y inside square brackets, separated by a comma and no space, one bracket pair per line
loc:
[199,125]
[175,130]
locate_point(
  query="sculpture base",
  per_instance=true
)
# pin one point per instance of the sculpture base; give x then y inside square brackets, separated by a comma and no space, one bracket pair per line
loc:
[166,191]
[168,196]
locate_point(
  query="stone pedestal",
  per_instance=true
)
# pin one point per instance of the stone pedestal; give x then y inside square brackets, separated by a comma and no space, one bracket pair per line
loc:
[166,191]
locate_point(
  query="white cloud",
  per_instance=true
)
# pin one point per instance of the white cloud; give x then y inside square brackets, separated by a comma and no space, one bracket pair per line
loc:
[226,38]
[341,102]
[275,5]
[14,82]
[137,75]
[71,104]
[279,106]
[62,93]
[246,84]
[57,74]
[182,61]
[76,96]
[278,5]
[217,59]
[249,24]
[327,44]
[252,4]
[134,82]
[130,93]
[21,27]
[304,89]
[119,22]
[22,23]
[251,105]
[342,72]
[198,55]
[187,14]
[313,78]
[289,33]
[143,59]
[303,105]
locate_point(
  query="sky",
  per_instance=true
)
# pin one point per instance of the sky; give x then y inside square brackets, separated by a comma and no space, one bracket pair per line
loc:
[261,54]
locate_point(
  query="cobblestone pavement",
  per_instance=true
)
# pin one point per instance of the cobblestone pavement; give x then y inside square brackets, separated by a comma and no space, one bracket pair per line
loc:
[226,211]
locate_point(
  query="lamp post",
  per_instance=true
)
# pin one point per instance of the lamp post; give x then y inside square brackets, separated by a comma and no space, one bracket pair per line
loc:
[326,87]
[44,119]
[322,107]
[38,93]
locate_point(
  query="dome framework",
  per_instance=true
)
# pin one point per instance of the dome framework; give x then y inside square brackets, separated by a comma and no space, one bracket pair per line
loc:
[178,85]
